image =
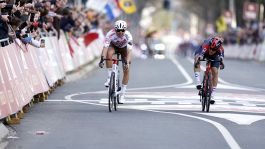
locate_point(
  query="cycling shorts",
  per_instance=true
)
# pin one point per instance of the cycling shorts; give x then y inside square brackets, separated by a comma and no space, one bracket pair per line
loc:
[213,57]
[117,49]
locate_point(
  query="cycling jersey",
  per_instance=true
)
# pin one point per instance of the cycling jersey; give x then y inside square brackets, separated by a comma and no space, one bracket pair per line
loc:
[204,50]
[120,42]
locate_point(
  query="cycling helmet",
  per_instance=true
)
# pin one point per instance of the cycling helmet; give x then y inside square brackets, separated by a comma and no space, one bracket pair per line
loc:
[120,25]
[215,43]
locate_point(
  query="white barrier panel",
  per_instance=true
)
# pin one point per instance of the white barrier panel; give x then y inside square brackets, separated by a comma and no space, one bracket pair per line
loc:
[261,53]
[48,63]
[6,94]
[39,81]
[78,55]
[26,71]
[16,84]
[88,55]
[55,44]
[23,87]
[246,52]
[65,53]
[96,47]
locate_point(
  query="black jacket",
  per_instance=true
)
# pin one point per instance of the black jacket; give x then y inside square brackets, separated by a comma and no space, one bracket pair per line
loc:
[3,30]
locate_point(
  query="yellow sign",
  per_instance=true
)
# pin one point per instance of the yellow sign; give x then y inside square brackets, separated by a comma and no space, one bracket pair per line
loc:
[128,6]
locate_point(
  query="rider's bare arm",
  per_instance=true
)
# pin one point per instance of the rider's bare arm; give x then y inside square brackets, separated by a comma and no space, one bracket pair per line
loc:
[104,52]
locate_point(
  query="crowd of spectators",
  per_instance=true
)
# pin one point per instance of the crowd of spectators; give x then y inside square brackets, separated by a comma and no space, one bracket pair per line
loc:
[252,33]
[25,21]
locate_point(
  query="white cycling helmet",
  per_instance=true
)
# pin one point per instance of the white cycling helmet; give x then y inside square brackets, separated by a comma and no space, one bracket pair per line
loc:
[120,25]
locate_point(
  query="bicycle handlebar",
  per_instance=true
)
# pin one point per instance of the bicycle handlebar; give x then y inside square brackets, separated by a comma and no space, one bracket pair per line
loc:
[210,60]
[107,59]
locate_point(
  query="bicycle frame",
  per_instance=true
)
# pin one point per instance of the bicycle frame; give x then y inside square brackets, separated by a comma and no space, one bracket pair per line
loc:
[115,70]
[114,84]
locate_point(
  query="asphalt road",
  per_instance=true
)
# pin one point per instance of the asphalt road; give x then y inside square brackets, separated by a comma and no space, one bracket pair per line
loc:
[162,111]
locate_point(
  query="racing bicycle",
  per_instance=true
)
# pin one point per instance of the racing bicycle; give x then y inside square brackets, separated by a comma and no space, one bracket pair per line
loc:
[114,85]
[206,89]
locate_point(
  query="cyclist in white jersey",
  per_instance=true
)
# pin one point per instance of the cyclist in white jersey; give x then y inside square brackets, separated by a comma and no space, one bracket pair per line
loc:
[118,40]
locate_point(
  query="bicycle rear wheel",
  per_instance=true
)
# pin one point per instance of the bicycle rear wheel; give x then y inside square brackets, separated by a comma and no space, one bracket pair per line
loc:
[111,92]
[209,91]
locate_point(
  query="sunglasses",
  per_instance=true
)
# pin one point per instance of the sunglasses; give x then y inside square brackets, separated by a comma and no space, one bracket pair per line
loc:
[120,30]
[213,49]
[2,1]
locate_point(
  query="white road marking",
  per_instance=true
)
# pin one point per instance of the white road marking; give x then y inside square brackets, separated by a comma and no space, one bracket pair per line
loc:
[241,119]
[157,102]
[226,134]
[225,86]
[182,70]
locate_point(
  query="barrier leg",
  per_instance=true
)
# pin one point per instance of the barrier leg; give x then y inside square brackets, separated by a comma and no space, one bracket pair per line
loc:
[26,108]
[46,94]
[61,82]
[13,119]
[36,99]
[42,97]
[21,114]
[31,103]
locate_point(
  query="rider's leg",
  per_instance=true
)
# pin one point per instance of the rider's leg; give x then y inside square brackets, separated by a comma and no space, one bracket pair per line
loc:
[214,81]
[197,68]
[110,53]
[126,71]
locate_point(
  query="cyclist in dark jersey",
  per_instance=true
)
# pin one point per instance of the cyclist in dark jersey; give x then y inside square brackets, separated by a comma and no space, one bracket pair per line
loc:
[210,49]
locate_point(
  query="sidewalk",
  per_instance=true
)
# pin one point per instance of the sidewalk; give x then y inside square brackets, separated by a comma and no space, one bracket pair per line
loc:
[3,134]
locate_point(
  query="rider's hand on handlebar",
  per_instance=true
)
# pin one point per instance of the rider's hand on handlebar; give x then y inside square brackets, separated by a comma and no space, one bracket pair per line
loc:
[199,58]
[197,61]
[101,63]
[222,66]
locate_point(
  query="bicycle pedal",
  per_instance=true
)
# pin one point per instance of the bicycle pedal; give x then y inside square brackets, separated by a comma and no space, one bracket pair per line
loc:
[212,102]
[199,87]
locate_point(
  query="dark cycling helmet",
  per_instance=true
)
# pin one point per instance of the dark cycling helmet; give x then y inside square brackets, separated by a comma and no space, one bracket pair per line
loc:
[215,43]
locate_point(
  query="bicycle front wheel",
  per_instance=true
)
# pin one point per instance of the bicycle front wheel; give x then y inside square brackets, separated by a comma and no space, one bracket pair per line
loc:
[117,98]
[115,103]
[209,92]
[202,96]
[111,92]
